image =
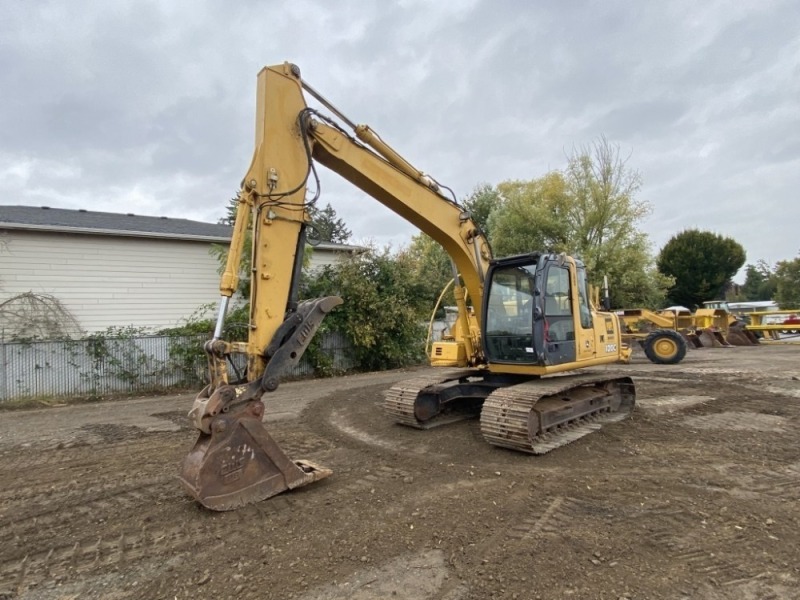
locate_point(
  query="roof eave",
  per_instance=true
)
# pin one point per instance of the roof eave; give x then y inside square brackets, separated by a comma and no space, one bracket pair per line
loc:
[116,232]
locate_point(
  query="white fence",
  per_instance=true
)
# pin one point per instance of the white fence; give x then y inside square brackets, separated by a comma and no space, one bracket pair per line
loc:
[102,366]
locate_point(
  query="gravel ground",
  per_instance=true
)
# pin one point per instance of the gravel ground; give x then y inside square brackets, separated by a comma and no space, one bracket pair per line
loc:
[695,496]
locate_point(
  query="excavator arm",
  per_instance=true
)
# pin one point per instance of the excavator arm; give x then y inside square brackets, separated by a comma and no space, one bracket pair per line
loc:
[235,461]
[290,140]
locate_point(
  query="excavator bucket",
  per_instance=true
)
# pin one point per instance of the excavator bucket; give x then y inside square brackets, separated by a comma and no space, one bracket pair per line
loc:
[239,463]
[235,461]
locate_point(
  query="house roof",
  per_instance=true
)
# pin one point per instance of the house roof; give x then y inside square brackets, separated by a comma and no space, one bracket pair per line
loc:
[64,220]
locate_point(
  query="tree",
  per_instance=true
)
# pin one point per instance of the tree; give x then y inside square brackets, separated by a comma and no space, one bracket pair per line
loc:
[759,283]
[604,214]
[603,210]
[787,277]
[480,203]
[327,225]
[531,216]
[701,262]
[590,211]
[429,269]
[230,212]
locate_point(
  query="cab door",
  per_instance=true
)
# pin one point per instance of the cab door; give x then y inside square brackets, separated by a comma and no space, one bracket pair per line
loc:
[559,314]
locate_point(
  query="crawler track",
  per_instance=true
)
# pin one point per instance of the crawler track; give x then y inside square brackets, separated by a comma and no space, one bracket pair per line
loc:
[399,400]
[561,410]
[535,416]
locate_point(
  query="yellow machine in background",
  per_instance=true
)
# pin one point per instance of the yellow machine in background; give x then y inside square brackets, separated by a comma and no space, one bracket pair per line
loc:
[705,328]
[520,318]
[776,325]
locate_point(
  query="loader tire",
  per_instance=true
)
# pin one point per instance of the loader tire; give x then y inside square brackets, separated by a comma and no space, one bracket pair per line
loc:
[665,347]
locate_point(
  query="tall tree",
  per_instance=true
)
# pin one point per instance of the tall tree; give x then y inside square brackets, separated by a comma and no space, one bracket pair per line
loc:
[603,209]
[328,225]
[605,214]
[759,282]
[590,211]
[701,262]
[230,212]
[480,203]
[787,276]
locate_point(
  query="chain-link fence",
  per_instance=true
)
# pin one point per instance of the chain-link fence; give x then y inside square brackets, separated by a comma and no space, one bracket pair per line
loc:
[99,366]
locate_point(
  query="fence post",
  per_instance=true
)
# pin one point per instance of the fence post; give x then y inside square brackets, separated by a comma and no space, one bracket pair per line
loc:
[4,389]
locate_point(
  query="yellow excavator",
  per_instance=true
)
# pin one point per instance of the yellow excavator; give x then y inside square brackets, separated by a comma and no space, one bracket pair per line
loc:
[524,322]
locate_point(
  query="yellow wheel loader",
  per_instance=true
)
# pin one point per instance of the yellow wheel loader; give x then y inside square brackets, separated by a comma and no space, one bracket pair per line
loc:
[525,323]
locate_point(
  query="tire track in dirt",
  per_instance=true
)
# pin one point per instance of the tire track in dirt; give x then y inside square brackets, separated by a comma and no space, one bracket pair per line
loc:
[676,531]
[41,495]
[538,525]
[300,443]
[539,519]
[90,502]
[737,410]
[42,515]
[686,540]
[165,523]
[553,519]
[535,519]
[781,484]
[46,479]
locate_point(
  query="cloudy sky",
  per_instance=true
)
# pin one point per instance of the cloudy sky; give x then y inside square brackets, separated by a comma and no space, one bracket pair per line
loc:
[148,107]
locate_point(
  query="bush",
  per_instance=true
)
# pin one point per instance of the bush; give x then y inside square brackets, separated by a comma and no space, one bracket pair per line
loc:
[380,316]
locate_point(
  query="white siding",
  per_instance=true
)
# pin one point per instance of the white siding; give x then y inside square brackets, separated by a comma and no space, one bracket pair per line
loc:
[322,257]
[109,281]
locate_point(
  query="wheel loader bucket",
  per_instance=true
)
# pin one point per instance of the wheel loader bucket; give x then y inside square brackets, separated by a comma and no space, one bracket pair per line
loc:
[711,338]
[692,338]
[739,335]
[239,463]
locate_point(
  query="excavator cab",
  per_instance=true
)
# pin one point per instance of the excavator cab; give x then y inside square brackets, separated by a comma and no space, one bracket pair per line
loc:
[536,320]
[530,311]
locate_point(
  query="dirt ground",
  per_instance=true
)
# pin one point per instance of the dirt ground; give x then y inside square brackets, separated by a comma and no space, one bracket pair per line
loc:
[695,496]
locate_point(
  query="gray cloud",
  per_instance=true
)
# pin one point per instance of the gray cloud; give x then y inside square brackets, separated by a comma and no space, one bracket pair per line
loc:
[148,106]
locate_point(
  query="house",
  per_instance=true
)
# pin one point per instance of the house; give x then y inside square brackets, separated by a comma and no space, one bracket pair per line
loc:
[117,270]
